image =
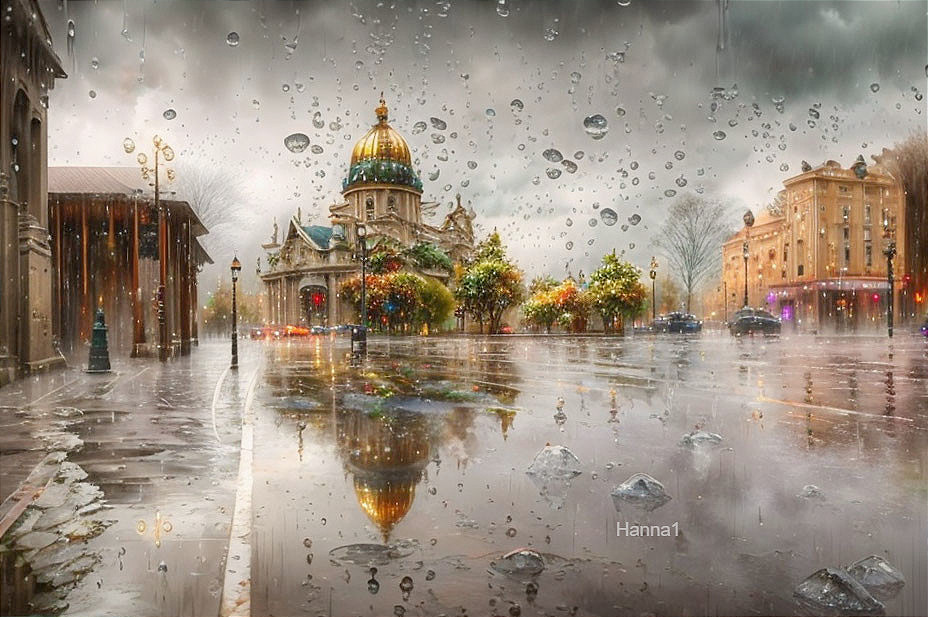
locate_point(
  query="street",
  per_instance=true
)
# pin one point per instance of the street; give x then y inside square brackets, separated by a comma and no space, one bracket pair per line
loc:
[414,465]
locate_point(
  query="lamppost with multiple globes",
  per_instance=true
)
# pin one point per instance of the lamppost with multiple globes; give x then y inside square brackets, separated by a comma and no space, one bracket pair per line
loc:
[236,267]
[890,251]
[748,223]
[653,275]
[162,150]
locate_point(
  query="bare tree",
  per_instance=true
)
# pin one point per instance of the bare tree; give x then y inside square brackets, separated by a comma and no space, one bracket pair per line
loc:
[692,238]
[216,194]
[908,162]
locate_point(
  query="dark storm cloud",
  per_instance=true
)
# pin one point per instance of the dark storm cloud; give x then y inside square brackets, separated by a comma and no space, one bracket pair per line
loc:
[456,60]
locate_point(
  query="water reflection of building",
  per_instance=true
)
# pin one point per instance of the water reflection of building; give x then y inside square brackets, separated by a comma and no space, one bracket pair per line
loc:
[28,70]
[819,262]
[382,191]
[386,456]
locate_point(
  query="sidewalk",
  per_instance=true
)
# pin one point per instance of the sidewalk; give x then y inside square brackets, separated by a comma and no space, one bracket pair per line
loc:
[139,466]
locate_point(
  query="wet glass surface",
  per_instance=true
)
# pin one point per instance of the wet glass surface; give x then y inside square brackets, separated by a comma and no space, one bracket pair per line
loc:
[414,465]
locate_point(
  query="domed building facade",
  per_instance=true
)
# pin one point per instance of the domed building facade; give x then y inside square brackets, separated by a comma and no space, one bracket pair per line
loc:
[381,191]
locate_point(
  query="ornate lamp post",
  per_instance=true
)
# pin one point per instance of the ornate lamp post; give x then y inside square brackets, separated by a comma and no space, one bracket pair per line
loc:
[748,223]
[653,275]
[889,250]
[236,267]
[162,150]
[362,248]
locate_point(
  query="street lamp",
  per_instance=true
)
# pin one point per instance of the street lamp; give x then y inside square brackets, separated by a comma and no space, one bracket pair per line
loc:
[653,275]
[162,150]
[748,223]
[890,252]
[236,267]
[362,247]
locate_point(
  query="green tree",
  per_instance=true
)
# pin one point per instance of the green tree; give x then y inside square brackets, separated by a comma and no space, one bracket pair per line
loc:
[540,310]
[616,290]
[489,284]
[427,256]
[436,303]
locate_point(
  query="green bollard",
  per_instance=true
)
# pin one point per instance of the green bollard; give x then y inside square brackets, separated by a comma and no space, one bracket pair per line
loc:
[99,351]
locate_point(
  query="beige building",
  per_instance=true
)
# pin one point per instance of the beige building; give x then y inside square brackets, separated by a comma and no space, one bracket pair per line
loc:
[381,191]
[28,70]
[819,263]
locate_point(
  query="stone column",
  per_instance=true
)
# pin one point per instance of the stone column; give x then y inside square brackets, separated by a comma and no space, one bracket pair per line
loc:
[331,300]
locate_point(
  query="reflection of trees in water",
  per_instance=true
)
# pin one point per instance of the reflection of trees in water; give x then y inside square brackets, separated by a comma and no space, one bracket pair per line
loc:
[386,456]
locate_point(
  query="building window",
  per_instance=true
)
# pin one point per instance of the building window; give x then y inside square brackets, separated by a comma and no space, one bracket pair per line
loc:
[867,214]
[391,203]
[369,207]
[800,268]
[847,245]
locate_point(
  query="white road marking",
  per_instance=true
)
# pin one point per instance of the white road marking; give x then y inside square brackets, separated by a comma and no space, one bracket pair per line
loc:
[219,383]
[236,588]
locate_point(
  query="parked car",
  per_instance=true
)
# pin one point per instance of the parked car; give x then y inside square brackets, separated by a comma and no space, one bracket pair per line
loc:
[753,321]
[318,330]
[681,322]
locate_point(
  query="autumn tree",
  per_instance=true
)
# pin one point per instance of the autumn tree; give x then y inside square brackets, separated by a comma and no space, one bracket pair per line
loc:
[489,284]
[616,291]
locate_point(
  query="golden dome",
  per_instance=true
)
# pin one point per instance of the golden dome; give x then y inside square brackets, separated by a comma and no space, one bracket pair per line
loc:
[386,500]
[382,142]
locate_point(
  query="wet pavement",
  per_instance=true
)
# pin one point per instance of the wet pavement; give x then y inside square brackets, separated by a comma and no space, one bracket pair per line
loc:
[157,489]
[399,486]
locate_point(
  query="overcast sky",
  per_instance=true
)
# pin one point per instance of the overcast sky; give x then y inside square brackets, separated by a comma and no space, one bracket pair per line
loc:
[464,62]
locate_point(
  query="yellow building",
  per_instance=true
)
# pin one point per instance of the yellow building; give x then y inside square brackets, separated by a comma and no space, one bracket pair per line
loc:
[819,263]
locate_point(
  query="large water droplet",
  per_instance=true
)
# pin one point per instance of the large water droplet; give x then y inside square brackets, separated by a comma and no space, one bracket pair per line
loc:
[570,166]
[128,145]
[596,126]
[553,155]
[169,114]
[296,142]
[874,87]
[438,124]
[318,122]
[609,216]
[634,219]
[418,127]
[719,135]
[233,39]
[553,172]
[517,105]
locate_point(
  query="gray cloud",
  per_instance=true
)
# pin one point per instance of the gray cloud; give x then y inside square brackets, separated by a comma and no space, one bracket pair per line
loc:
[455,64]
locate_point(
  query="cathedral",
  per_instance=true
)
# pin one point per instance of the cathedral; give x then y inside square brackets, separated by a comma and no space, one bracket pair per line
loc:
[383,193]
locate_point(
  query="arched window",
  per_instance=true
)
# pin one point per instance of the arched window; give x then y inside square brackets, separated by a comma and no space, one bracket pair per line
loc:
[391,203]
[369,207]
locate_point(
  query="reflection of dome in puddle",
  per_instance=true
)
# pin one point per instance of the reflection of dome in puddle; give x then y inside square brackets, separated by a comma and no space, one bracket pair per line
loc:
[386,456]
[386,499]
